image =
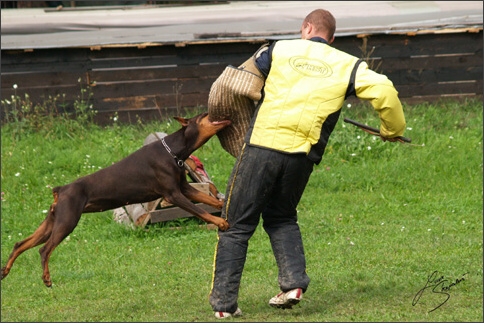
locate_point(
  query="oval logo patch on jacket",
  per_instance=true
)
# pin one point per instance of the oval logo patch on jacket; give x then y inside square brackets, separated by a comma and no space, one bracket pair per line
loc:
[310,67]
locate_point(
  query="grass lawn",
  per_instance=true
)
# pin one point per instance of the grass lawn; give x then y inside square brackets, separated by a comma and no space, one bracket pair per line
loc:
[392,232]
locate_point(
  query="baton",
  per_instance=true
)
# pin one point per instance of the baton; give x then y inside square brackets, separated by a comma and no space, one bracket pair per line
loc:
[374,131]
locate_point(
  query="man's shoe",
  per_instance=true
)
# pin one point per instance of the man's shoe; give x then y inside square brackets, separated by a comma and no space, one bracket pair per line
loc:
[224,315]
[287,299]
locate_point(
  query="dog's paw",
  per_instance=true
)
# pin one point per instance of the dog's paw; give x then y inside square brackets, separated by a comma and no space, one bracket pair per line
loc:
[223,225]
[5,272]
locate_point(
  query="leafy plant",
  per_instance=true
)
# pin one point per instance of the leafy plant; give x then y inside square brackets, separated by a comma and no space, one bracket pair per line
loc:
[49,117]
[366,55]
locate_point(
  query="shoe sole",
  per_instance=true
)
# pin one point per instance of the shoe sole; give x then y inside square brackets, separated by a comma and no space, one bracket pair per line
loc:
[287,305]
[225,315]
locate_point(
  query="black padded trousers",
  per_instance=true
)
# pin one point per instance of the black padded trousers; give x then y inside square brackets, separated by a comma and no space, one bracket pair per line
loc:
[269,183]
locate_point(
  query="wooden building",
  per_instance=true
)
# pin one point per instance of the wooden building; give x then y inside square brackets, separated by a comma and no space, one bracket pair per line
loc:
[153,62]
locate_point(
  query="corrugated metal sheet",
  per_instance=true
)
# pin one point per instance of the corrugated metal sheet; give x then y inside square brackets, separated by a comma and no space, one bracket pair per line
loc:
[226,22]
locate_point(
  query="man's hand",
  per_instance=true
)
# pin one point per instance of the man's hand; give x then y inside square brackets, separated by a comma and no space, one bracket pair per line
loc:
[376,132]
[390,139]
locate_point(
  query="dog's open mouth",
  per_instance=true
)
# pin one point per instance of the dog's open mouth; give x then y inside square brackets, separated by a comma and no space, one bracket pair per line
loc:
[219,120]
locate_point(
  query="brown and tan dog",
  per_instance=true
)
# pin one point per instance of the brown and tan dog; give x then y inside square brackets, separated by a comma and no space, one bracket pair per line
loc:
[155,170]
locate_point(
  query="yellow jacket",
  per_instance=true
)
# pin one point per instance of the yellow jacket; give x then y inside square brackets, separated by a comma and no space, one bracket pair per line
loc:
[308,81]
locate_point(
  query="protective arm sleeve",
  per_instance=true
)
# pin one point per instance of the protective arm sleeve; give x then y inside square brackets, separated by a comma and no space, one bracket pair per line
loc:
[380,92]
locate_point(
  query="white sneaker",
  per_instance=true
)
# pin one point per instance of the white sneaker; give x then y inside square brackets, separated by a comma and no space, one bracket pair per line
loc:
[224,315]
[287,299]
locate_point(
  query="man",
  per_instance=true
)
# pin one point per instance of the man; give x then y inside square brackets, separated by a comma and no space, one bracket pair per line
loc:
[306,84]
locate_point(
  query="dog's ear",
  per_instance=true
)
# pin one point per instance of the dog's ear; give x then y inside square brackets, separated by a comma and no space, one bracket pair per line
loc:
[182,121]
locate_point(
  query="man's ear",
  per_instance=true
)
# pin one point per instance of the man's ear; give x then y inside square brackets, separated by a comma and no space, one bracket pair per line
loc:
[182,121]
[331,40]
[309,30]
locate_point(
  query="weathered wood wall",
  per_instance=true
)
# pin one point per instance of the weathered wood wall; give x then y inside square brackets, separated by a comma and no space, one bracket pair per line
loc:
[161,81]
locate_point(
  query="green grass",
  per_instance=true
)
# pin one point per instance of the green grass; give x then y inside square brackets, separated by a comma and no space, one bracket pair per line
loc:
[377,219]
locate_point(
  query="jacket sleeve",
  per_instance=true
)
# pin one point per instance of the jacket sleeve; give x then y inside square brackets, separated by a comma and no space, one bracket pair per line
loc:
[380,92]
[263,59]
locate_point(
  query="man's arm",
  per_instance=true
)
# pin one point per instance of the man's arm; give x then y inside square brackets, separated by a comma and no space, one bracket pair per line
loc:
[263,59]
[380,92]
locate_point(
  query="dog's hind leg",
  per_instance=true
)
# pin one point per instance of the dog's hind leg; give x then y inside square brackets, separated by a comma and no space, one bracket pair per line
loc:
[39,236]
[67,213]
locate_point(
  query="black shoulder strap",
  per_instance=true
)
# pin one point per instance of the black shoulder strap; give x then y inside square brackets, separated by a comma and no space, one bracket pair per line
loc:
[351,84]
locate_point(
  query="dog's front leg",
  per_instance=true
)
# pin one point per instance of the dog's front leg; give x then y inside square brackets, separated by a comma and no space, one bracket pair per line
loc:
[178,199]
[195,195]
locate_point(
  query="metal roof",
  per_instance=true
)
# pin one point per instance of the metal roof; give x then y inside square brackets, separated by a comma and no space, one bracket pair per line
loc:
[225,22]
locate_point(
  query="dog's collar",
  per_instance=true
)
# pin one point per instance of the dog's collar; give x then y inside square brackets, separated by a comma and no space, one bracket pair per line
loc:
[178,161]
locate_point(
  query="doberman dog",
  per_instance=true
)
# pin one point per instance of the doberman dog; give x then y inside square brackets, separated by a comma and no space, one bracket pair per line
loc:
[153,171]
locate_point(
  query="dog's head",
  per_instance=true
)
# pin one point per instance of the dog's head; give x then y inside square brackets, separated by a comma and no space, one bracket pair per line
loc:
[199,129]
